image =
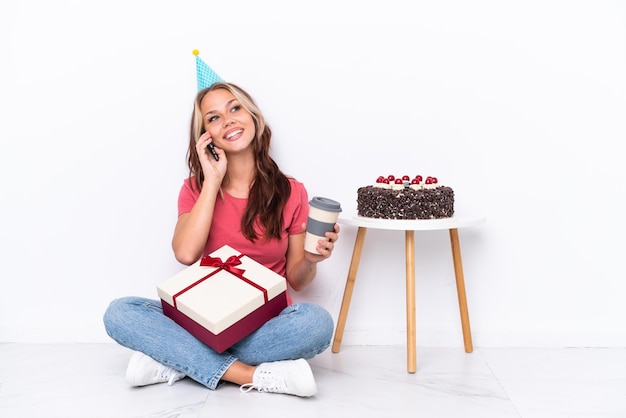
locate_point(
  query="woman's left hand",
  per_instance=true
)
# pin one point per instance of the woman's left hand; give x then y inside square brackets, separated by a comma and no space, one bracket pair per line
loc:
[324,247]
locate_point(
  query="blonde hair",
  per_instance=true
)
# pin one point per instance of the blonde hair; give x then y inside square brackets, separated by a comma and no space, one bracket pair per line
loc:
[271,188]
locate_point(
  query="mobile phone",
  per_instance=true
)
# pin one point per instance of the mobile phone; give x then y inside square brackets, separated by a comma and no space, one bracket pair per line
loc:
[211,149]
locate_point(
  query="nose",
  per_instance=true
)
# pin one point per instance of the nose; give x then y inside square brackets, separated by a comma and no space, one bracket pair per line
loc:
[229,121]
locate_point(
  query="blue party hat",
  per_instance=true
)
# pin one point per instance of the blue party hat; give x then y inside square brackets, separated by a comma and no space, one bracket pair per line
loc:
[206,75]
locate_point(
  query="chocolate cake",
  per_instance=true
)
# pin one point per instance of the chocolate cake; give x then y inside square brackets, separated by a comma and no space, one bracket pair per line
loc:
[405,198]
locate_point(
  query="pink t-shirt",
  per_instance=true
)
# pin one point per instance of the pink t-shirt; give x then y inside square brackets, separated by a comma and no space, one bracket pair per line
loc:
[226,226]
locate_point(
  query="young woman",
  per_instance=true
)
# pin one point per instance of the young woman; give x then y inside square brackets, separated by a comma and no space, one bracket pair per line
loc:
[239,197]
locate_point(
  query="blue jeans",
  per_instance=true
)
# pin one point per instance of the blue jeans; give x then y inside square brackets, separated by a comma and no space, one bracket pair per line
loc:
[301,330]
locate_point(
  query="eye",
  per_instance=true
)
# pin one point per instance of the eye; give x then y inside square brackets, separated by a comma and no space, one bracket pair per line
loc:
[235,108]
[212,119]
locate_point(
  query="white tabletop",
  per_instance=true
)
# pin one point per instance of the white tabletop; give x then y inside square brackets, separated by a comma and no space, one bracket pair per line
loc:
[457,221]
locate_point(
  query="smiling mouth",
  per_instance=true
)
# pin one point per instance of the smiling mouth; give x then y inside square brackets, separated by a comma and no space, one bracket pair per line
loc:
[232,134]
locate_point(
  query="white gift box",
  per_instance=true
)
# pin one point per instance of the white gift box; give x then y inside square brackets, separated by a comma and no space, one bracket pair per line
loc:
[223,297]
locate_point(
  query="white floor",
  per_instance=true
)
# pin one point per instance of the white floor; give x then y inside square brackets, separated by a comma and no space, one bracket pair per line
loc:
[87,381]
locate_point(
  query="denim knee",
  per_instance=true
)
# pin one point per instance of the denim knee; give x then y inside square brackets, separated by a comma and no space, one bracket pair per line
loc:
[117,314]
[112,314]
[321,331]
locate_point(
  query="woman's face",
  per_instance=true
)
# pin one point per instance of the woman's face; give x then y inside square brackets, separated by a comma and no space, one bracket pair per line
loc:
[229,124]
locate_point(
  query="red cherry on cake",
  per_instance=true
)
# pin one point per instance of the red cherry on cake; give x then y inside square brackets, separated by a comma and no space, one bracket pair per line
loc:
[415,181]
[386,181]
[391,177]
[407,178]
[434,179]
[419,178]
[429,180]
[380,179]
[398,181]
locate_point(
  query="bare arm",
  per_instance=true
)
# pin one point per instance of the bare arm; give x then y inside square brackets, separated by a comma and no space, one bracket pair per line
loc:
[192,228]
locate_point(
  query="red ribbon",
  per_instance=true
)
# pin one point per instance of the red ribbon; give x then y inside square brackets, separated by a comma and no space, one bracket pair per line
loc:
[229,266]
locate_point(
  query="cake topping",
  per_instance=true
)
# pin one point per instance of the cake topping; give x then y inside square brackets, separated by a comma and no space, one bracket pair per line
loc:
[430,183]
[382,182]
[392,182]
[398,184]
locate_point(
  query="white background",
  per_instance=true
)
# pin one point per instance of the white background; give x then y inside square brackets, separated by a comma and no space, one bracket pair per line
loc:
[519,106]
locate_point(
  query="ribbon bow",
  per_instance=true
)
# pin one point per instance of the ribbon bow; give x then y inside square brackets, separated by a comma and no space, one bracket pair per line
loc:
[228,265]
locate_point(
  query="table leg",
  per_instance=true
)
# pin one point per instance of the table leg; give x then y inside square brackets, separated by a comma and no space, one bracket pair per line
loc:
[460,288]
[410,300]
[347,293]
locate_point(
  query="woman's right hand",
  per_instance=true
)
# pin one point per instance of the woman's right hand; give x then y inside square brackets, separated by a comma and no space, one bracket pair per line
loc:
[214,171]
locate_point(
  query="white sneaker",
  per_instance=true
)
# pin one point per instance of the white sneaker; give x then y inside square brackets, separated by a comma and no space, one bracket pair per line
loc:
[143,370]
[293,377]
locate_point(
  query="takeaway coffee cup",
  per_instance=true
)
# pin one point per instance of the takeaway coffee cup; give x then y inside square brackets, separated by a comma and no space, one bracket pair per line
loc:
[323,214]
